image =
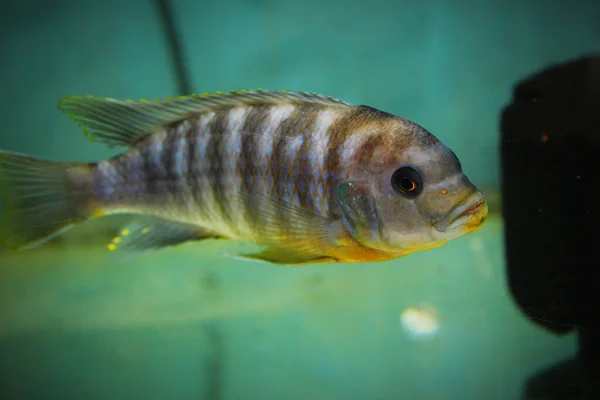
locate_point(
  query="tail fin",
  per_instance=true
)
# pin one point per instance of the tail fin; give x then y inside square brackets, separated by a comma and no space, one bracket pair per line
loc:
[40,199]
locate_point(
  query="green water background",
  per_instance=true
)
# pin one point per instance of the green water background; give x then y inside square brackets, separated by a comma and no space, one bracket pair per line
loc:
[191,323]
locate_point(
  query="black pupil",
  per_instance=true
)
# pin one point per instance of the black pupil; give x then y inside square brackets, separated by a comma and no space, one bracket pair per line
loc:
[407,184]
[407,181]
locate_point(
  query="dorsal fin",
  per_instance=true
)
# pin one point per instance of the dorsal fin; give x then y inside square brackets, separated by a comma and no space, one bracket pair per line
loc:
[126,122]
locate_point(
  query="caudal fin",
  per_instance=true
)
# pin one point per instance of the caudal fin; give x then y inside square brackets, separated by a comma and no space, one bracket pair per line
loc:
[40,199]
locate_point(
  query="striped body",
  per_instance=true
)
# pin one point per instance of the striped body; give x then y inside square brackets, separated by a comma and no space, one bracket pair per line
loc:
[198,170]
[308,177]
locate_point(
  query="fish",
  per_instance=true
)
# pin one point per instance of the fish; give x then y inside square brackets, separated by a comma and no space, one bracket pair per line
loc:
[308,178]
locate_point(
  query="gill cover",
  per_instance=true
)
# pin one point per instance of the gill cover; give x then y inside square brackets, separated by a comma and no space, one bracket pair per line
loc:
[359,214]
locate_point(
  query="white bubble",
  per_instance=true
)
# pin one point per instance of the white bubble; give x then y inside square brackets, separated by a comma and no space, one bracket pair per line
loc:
[420,323]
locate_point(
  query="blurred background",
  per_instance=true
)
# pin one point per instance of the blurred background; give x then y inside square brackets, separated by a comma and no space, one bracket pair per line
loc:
[188,322]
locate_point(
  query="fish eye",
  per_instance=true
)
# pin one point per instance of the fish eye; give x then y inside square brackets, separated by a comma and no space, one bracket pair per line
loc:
[407,182]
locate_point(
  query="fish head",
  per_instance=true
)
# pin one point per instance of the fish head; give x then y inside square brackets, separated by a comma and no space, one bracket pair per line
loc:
[407,198]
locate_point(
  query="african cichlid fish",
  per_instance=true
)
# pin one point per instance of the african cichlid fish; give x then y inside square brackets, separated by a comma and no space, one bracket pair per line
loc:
[308,177]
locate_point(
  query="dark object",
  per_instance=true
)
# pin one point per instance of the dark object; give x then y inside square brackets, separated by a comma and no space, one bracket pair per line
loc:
[551,206]
[184,85]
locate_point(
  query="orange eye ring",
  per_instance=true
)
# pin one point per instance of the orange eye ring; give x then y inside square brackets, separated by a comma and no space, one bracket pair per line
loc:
[408,184]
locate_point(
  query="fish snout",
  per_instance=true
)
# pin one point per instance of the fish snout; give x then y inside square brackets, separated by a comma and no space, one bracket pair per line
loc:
[470,209]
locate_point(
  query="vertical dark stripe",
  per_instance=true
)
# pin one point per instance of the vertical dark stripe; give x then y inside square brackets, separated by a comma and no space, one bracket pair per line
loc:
[303,124]
[282,138]
[191,180]
[101,187]
[167,159]
[216,155]
[299,122]
[128,178]
[277,175]
[277,165]
[150,177]
[247,162]
[282,135]
[288,170]
[304,174]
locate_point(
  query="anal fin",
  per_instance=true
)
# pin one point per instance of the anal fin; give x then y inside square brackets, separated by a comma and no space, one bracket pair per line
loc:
[147,234]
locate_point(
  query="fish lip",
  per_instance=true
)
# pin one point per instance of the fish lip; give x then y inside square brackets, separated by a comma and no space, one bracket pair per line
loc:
[471,205]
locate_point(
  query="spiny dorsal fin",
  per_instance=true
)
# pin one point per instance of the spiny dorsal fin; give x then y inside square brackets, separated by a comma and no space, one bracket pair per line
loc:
[126,122]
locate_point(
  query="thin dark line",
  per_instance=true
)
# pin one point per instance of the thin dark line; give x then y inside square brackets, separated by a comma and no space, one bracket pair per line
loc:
[214,364]
[184,84]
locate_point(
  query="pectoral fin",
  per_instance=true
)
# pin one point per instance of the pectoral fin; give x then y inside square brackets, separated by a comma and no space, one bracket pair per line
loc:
[280,256]
[305,238]
[359,213]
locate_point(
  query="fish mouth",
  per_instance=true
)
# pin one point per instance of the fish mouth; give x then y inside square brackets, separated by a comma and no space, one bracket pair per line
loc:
[475,205]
